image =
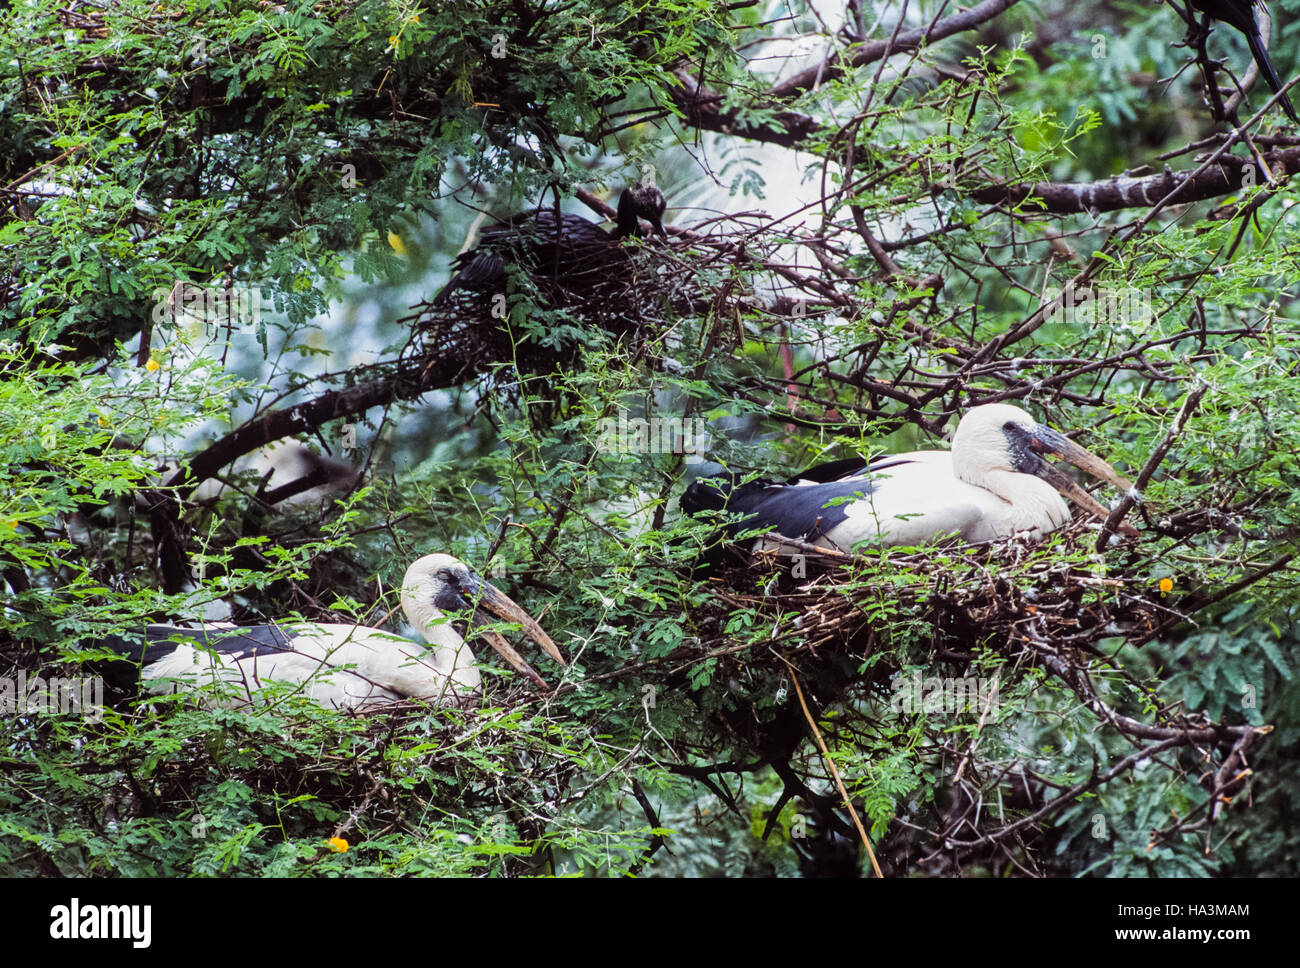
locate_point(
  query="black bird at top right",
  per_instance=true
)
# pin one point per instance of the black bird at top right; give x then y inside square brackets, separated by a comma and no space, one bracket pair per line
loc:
[1241,15]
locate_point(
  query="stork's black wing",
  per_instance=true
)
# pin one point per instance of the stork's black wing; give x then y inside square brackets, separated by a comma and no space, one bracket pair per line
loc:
[141,648]
[803,511]
[806,506]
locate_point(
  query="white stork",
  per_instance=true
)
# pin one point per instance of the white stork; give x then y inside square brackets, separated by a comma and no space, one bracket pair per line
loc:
[992,484]
[348,666]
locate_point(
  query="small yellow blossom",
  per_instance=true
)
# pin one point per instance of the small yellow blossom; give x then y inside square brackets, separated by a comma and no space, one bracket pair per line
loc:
[103,421]
[1166,586]
[392,41]
[396,242]
[153,365]
[338,845]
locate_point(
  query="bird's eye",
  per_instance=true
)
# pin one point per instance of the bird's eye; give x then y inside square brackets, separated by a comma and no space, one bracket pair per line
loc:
[445,574]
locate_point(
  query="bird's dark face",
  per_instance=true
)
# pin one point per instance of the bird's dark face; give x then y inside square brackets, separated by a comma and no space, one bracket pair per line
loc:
[1028,441]
[641,201]
[451,587]
[455,588]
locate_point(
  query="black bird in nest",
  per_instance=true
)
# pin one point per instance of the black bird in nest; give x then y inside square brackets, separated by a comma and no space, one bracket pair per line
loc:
[566,256]
[1241,15]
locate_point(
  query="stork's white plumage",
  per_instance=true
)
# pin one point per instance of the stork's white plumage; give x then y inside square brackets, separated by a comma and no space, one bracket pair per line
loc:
[348,666]
[992,484]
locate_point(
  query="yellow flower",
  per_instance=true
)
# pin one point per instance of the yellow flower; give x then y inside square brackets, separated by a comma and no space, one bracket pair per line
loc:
[153,365]
[338,845]
[392,41]
[103,421]
[396,242]
[1166,586]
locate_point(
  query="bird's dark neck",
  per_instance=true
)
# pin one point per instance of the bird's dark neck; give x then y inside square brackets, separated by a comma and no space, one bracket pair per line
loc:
[629,225]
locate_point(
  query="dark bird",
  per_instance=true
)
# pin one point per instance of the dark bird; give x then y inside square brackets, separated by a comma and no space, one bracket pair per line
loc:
[573,252]
[335,664]
[1241,15]
[993,483]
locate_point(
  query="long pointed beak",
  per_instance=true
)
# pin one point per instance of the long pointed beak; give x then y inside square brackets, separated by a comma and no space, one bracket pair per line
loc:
[1046,440]
[495,601]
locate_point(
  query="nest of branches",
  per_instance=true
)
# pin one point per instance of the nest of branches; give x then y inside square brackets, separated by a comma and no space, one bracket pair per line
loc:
[849,652]
[397,769]
[539,323]
[541,320]
[315,774]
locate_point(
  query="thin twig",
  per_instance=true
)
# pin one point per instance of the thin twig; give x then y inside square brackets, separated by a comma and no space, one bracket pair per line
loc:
[1135,492]
[821,745]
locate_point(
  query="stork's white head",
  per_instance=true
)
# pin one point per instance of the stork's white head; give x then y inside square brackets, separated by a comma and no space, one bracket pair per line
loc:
[442,581]
[982,445]
[437,584]
[999,438]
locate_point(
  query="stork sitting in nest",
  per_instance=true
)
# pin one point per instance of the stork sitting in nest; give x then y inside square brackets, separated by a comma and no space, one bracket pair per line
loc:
[345,666]
[993,483]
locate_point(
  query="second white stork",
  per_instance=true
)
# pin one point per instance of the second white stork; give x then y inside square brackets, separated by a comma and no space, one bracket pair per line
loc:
[334,664]
[993,483]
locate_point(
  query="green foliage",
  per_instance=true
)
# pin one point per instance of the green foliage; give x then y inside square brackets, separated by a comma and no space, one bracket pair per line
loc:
[274,150]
